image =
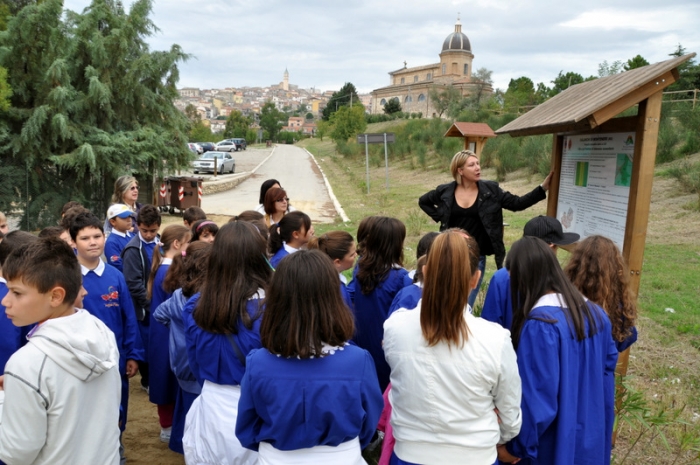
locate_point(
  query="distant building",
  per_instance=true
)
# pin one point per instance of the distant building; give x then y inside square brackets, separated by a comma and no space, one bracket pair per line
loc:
[189,92]
[411,85]
[285,80]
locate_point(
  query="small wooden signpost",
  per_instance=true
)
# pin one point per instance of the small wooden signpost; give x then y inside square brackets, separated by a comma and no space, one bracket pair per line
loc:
[475,135]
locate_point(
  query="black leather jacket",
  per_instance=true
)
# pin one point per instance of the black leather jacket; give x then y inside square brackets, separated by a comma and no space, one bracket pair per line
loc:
[492,200]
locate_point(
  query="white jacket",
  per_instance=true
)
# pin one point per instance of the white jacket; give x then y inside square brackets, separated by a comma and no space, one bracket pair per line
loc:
[443,398]
[62,393]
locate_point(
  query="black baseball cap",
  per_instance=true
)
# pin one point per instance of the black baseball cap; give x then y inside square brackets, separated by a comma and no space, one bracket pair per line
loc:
[549,230]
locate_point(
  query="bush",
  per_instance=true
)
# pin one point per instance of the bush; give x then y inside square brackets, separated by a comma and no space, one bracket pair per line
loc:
[669,137]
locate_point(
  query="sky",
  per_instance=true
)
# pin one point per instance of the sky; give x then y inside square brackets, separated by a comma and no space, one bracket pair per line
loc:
[324,43]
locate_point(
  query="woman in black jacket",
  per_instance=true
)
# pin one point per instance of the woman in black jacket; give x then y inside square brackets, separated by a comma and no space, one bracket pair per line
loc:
[476,206]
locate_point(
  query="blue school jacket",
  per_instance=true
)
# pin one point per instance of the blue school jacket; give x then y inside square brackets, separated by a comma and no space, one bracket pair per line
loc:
[568,389]
[300,403]
[108,299]
[163,384]
[169,313]
[407,298]
[211,356]
[114,245]
[370,313]
[497,304]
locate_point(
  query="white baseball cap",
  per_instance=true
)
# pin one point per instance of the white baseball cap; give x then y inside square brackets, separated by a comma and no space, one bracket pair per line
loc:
[120,210]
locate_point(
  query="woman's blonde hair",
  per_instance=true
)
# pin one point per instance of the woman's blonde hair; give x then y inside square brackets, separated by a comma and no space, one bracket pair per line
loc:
[459,160]
[446,290]
[121,187]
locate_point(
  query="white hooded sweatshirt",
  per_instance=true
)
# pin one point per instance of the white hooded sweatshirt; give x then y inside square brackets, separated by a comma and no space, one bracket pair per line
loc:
[62,393]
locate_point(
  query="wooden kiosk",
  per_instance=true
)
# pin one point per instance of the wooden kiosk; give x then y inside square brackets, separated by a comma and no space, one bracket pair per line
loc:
[475,135]
[596,157]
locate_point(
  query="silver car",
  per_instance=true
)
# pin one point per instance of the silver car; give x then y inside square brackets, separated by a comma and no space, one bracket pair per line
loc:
[225,146]
[225,163]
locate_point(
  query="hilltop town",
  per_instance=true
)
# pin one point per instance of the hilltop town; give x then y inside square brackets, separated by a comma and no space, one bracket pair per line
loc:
[215,105]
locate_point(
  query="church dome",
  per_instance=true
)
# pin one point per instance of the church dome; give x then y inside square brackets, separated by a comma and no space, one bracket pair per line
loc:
[457,40]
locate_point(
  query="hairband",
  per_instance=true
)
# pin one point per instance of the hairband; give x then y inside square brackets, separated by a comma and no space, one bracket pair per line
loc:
[204,223]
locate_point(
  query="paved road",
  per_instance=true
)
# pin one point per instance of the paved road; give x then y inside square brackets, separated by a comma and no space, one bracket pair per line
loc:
[297,173]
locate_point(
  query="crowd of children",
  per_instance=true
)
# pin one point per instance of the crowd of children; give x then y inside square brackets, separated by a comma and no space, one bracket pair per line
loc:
[257,350]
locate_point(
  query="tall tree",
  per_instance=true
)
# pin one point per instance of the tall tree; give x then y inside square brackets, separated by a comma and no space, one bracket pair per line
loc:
[442,97]
[90,102]
[346,96]
[271,119]
[348,122]
[482,80]
[236,125]
[608,69]
[520,92]
[635,62]
[689,72]
[564,81]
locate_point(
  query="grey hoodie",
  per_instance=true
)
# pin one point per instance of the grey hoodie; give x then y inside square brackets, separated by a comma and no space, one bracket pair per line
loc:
[62,393]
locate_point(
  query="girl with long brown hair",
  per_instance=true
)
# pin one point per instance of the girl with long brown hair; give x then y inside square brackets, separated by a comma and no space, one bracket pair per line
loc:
[377,278]
[222,325]
[566,359]
[308,397]
[597,269]
[455,389]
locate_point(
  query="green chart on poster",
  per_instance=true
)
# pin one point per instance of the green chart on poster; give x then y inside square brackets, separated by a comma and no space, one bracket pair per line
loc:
[594,184]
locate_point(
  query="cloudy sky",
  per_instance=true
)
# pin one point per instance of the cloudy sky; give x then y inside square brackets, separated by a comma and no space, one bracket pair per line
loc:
[324,43]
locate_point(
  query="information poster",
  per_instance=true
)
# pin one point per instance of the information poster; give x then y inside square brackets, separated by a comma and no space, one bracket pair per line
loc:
[594,185]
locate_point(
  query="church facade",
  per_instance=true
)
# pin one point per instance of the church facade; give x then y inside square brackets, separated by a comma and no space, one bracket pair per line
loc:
[412,85]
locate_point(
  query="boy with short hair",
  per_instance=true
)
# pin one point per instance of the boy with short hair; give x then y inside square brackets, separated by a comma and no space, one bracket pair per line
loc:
[136,262]
[62,388]
[119,217]
[192,215]
[108,298]
[11,336]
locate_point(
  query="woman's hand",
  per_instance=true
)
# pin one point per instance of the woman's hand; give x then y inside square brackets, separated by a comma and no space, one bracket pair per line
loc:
[547,180]
[2,383]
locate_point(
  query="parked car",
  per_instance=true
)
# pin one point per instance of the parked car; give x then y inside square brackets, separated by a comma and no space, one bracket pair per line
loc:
[225,163]
[207,146]
[196,148]
[240,143]
[225,146]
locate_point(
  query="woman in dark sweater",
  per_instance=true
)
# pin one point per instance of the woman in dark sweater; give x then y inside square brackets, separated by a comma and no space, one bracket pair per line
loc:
[476,206]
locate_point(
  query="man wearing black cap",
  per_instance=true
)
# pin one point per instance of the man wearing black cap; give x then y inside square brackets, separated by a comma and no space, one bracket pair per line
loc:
[497,305]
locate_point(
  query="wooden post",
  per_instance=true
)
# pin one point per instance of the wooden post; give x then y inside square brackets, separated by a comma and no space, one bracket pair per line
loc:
[553,192]
[640,186]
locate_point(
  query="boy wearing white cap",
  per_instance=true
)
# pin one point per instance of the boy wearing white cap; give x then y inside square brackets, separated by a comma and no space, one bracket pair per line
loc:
[119,217]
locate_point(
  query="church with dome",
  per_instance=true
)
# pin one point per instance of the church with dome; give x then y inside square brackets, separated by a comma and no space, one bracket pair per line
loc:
[411,85]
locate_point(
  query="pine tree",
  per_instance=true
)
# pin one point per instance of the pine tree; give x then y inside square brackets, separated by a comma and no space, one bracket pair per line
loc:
[90,102]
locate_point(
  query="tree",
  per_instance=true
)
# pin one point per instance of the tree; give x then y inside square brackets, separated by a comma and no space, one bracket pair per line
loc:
[392,106]
[520,92]
[564,81]
[689,72]
[200,132]
[309,116]
[442,96]
[90,102]
[348,122]
[482,80]
[322,128]
[347,95]
[271,119]
[635,62]
[608,69]
[236,125]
